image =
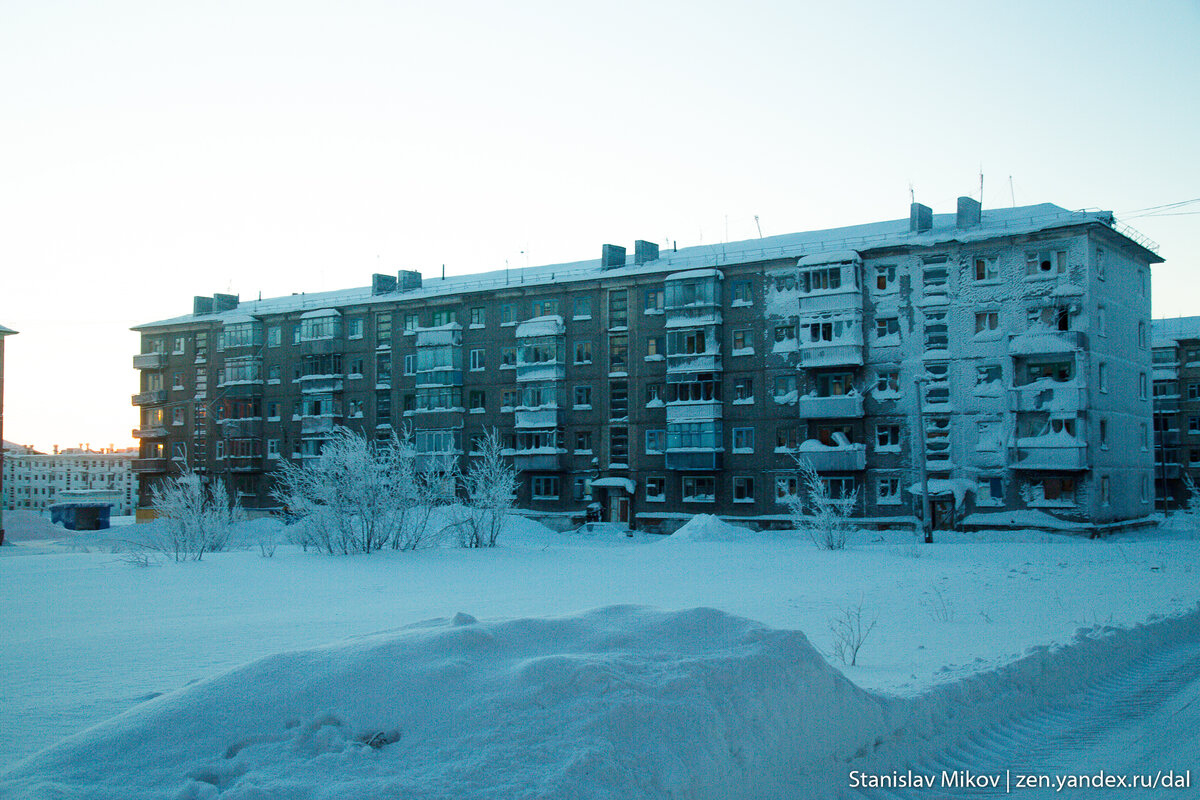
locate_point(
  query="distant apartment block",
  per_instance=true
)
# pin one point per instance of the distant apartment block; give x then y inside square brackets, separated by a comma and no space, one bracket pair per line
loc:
[659,384]
[36,481]
[1176,359]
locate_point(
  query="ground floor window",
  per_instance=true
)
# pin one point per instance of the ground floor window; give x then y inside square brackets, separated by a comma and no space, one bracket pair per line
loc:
[656,489]
[787,487]
[545,487]
[743,489]
[888,490]
[699,489]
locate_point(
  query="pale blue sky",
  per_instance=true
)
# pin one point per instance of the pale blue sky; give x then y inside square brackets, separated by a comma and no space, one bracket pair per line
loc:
[152,151]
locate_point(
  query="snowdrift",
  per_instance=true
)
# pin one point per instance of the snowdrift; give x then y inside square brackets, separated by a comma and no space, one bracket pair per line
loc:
[620,702]
[709,528]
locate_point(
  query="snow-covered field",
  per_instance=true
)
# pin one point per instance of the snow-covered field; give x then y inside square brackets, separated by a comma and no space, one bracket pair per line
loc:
[556,665]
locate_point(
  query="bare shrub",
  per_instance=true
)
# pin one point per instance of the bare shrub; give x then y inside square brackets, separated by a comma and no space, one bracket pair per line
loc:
[195,516]
[849,633]
[491,487]
[825,519]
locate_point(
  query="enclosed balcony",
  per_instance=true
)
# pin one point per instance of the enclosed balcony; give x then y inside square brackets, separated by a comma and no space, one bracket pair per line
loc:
[539,460]
[830,282]
[154,397]
[150,361]
[812,406]
[244,463]
[147,465]
[536,417]
[831,340]
[1045,394]
[693,460]
[1040,340]
[150,432]
[1049,452]
[693,411]
[245,428]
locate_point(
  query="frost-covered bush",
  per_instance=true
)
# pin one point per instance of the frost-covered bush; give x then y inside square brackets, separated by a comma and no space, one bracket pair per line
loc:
[491,486]
[359,495]
[825,519]
[195,516]
[849,633]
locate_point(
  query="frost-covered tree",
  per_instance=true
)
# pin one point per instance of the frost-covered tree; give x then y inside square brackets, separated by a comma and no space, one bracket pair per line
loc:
[194,517]
[491,487]
[359,495]
[826,519]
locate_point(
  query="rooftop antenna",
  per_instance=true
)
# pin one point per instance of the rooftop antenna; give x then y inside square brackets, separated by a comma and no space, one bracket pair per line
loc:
[1011,192]
[912,195]
[757,225]
[981,184]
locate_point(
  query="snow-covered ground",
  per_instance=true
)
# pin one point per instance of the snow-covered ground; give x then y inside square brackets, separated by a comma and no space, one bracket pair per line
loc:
[556,665]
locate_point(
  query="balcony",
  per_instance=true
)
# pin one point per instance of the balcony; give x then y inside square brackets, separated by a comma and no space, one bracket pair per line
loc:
[150,432]
[693,411]
[320,384]
[540,460]
[814,407]
[831,354]
[150,361]
[540,371]
[694,459]
[1048,395]
[244,463]
[1043,341]
[154,397]
[842,458]
[1052,452]
[694,362]
[246,428]
[536,418]
[322,424]
[144,465]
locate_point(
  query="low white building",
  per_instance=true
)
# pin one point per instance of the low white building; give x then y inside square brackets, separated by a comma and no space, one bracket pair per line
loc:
[35,481]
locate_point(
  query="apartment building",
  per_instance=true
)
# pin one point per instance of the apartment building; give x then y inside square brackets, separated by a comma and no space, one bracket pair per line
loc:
[1176,359]
[36,481]
[661,384]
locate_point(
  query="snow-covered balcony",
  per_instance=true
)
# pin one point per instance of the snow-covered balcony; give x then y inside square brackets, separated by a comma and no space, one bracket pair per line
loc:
[1050,451]
[693,411]
[244,463]
[694,362]
[149,465]
[845,457]
[153,397]
[1045,341]
[831,339]
[830,282]
[1045,394]
[831,354]
[150,432]
[150,361]
[811,406]
[545,417]
[324,423]
[539,459]
[541,370]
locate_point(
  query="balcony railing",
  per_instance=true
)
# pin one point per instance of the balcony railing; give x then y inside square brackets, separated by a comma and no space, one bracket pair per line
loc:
[846,405]
[541,371]
[539,418]
[1046,395]
[246,428]
[322,424]
[834,459]
[150,432]
[150,361]
[1037,341]
[693,460]
[686,412]
[244,463]
[154,397]
[150,465]
[1053,452]
[527,461]
[694,362]
[830,354]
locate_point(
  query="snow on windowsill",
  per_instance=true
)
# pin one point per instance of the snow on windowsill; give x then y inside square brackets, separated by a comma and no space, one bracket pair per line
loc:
[741,304]
[743,351]
[742,401]
[655,357]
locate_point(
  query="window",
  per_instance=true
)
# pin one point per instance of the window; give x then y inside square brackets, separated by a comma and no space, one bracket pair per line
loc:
[887,490]
[1060,491]
[477,360]
[508,314]
[383,368]
[478,315]
[821,279]
[887,382]
[545,308]
[743,389]
[354,329]
[656,441]
[618,308]
[220,449]
[618,400]
[885,277]
[784,387]
[618,350]
[618,445]
[272,448]
[1102,376]
[443,316]
[1105,490]
[583,397]
[742,293]
[656,488]
[654,301]
[1102,320]
[654,394]
[581,489]
[1193,424]
[508,357]
[545,487]
[583,352]
[583,441]
[1046,262]
[1099,263]
[410,364]
[936,274]
[383,329]
[986,321]
[785,333]
[699,489]
[411,322]
[987,374]
[177,416]
[583,308]
[1104,433]
[656,347]
[1142,335]
[887,326]
[986,269]
[742,340]
[1142,386]
[177,379]
[383,405]
[787,438]
[510,398]
[743,440]
[476,399]
[887,437]
[1145,489]
[1145,437]
[787,487]
[743,489]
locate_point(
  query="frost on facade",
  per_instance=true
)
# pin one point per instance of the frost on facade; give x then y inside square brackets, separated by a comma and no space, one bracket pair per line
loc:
[668,384]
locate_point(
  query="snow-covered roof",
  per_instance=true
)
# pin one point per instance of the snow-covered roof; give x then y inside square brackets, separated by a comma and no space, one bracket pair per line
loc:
[551,325]
[1175,329]
[823,243]
[322,312]
[5,331]
[693,274]
[831,257]
[615,483]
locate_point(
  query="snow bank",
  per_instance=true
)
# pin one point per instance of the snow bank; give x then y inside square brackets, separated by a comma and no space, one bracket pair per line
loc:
[619,702]
[708,528]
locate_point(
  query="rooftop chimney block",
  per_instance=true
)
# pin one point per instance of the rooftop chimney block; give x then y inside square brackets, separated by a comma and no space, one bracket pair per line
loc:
[644,252]
[969,211]
[612,256]
[382,284]
[920,218]
[224,302]
[409,279]
[201,305]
